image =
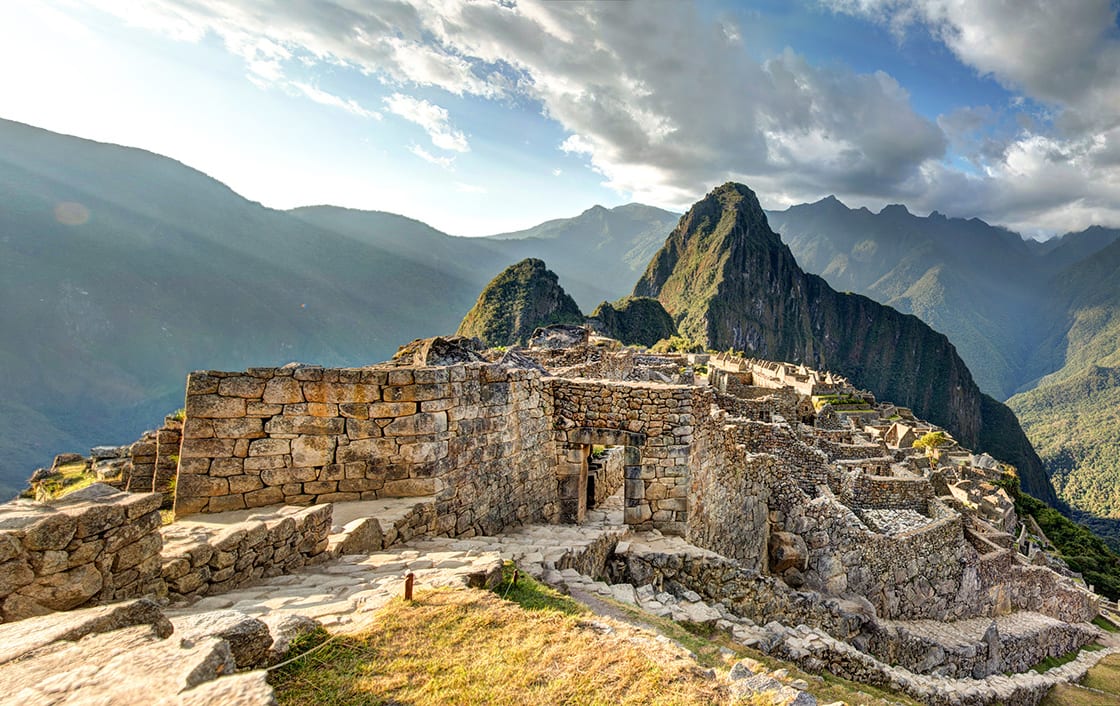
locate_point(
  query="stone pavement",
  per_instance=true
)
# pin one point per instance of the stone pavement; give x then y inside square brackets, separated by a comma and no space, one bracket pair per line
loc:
[338,593]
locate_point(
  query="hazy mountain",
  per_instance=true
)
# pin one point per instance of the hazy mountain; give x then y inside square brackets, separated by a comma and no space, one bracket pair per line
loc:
[123,270]
[521,298]
[1073,414]
[730,282]
[597,252]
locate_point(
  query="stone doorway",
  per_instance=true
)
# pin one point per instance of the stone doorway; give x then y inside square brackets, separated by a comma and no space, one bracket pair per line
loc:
[585,481]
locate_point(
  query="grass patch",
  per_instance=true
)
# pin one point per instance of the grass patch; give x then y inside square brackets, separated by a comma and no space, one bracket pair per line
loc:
[1105,624]
[1105,676]
[73,476]
[531,595]
[469,646]
[1052,662]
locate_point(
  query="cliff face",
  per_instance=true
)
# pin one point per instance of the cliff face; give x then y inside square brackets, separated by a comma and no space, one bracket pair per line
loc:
[730,282]
[521,298]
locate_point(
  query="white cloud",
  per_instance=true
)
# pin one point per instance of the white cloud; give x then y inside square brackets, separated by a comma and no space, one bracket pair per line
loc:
[325,98]
[469,188]
[431,117]
[445,162]
[664,101]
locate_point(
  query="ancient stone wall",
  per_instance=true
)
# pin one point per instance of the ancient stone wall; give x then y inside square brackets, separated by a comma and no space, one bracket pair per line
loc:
[610,475]
[476,437]
[806,465]
[94,546]
[658,421]
[169,438]
[201,559]
[143,466]
[885,492]
[728,496]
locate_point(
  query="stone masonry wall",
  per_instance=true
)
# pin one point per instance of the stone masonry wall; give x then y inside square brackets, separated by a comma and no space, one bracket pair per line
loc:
[476,437]
[169,438]
[143,466]
[656,419]
[728,496]
[611,474]
[199,559]
[868,491]
[96,545]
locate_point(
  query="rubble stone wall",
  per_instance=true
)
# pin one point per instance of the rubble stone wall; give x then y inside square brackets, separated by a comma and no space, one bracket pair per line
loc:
[476,437]
[96,545]
[886,492]
[611,475]
[200,559]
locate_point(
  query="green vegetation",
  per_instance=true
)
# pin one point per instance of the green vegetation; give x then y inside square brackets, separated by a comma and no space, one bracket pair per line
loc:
[840,402]
[1081,549]
[530,594]
[635,320]
[179,414]
[73,476]
[1053,662]
[1105,624]
[677,344]
[932,441]
[521,298]
[1075,425]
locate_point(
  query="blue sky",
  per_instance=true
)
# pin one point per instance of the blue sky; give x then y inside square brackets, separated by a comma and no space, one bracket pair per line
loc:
[482,117]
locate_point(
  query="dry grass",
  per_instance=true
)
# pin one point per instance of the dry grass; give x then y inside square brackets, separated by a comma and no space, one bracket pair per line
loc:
[469,646]
[1104,677]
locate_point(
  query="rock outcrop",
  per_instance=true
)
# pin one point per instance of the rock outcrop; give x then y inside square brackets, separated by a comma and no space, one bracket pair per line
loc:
[520,299]
[640,320]
[730,282]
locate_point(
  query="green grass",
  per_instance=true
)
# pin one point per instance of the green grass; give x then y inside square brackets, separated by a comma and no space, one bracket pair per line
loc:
[471,647]
[532,595]
[1054,662]
[1105,624]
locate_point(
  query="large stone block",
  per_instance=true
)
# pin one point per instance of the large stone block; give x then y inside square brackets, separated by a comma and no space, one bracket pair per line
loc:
[416,424]
[282,390]
[215,407]
[248,387]
[270,447]
[312,450]
[305,424]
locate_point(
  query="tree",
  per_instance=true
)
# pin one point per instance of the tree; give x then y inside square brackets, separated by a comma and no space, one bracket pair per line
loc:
[932,442]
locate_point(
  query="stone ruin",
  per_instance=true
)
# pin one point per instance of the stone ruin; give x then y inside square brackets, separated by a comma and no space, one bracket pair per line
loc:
[793,510]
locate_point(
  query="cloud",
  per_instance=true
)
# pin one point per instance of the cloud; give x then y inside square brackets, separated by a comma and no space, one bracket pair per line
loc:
[325,98]
[432,118]
[664,101]
[445,162]
[469,188]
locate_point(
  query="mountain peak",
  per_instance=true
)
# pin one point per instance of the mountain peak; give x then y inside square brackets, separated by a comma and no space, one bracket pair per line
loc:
[895,209]
[522,297]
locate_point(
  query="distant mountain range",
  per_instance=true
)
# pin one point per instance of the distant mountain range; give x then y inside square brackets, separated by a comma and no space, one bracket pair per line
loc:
[121,270]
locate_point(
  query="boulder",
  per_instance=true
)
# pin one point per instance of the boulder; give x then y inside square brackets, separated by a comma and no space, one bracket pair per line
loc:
[787,551]
[248,638]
